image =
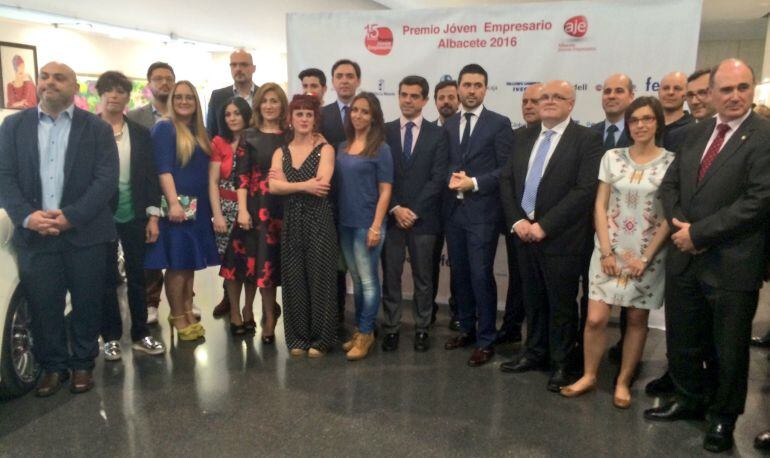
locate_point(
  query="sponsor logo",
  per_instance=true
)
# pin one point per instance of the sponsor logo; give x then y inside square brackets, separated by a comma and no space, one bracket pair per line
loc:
[576,26]
[379,40]
[382,89]
[520,86]
[599,87]
[446,77]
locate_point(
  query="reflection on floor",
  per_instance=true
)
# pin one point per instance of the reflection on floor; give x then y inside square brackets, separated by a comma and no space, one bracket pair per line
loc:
[227,397]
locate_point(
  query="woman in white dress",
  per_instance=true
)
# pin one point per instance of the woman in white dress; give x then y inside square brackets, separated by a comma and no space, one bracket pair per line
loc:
[628,262]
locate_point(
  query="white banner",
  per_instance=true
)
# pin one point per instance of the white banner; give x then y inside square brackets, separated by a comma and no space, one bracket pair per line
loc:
[582,42]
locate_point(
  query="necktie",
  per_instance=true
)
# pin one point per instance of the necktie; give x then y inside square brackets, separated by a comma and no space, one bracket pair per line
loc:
[345,111]
[713,150]
[465,141]
[408,139]
[535,174]
[609,142]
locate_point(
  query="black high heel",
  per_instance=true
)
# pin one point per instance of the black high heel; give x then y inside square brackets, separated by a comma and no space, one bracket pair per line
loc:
[237,329]
[268,340]
[250,326]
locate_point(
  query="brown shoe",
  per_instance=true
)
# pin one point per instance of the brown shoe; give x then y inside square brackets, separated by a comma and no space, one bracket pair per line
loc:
[50,383]
[223,308]
[82,381]
[362,346]
[461,341]
[347,346]
[481,356]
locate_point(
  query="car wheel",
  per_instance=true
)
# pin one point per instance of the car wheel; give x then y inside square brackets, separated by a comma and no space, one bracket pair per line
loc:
[18,366]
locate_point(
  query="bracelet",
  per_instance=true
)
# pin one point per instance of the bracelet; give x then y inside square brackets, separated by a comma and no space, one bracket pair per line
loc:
[373,231]
[605,256]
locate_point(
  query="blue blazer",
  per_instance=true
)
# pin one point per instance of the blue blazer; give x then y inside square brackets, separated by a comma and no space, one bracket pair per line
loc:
[90,179]
[490,145]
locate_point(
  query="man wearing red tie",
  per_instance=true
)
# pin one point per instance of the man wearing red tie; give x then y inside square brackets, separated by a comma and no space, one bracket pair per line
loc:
[716,196]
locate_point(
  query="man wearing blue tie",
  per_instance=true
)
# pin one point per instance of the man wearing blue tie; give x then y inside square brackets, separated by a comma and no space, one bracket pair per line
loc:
[479,144]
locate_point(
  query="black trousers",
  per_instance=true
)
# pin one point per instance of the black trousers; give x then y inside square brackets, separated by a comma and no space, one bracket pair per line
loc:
[550,286]
[438,249]
[132,239]
[707,333]
[46,277]
[514,302]
[420,248]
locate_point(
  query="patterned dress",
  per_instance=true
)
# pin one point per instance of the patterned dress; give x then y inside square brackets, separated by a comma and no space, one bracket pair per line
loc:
[309,260]
[222,152]
[634,214]
[254,255]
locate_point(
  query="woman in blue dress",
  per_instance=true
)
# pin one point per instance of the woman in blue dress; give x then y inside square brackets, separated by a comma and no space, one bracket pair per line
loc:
[186,241]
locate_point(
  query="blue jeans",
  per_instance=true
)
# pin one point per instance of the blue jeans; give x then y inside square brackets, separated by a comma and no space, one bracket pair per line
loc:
[363,265]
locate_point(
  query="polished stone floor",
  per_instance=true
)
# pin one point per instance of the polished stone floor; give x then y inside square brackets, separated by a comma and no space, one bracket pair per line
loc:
[228,397]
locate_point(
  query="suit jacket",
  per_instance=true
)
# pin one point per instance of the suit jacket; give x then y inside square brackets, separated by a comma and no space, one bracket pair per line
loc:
[624,140]
[90,179]
[418,184]
[488,151]
[145,187]
[331,124]
[216,105]
[675,133]
[728,208]
[142,116]
[567,190]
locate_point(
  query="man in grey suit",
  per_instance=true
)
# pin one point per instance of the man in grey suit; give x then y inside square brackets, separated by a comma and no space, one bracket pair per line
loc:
[161,79]
[242,69]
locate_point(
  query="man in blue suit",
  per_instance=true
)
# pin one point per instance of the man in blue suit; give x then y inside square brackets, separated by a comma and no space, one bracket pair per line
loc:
[58,172]
[479,144]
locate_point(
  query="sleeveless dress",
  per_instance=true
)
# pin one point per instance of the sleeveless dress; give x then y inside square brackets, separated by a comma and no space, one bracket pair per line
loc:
[254,255]
[634,214]
[309,260]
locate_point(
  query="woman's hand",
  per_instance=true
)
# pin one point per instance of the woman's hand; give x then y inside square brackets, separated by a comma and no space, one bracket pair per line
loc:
[244,220]
[372,238]
[151,230]
[316,186]
[220,225]
[610,265]
[636,267]
[176,212]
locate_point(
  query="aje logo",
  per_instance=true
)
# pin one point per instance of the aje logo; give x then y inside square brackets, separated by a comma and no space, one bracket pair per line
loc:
[379,40]
[576,26]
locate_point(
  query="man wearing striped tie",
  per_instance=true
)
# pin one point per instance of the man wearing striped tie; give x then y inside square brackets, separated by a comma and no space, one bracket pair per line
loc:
[548,188]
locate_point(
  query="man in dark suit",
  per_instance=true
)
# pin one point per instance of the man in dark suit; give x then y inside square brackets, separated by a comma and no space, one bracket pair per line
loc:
[479,145]
[58,172]
[672,93]
[548,189]
[510,330]
[419,151]
[346,77]
[716,196]
[161,78]
[242,69]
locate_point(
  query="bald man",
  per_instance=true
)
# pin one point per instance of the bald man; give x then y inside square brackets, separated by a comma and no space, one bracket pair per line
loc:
[242,69]
[672,94]
[716,197]
[548,188]
[58,172]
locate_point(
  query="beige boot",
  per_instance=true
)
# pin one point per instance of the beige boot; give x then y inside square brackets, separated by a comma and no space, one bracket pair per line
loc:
[362,346]
[352,342]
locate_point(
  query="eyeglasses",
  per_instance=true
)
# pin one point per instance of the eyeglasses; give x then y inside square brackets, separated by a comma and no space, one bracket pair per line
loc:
[647,119]
[185,97]
[554,97]
[701,94]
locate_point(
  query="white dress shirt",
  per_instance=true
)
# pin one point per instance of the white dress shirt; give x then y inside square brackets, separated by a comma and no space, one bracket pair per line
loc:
[415,130]
[734,125]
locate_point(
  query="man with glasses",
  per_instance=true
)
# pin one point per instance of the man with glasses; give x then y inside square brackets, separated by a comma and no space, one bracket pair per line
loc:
[698,95]
[242,69]
[548,189]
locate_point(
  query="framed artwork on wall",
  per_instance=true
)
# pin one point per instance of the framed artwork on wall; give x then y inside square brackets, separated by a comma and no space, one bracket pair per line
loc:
[18,75]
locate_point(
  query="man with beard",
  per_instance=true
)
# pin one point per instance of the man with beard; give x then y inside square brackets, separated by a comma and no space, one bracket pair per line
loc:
[242,68]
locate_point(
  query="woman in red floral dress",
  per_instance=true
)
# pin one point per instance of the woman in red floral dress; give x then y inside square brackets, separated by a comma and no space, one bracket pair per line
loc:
[253,253]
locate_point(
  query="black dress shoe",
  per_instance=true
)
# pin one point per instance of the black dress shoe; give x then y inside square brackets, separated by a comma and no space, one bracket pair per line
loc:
[762,441]
[661,386]
[673,411]
[50,383]
[505,336]
[762,342]
[615,353]
[522,364]
[719,437]
[390,342]
[461,341]
[421,343]
[559,379]
[481,356]
[454,324]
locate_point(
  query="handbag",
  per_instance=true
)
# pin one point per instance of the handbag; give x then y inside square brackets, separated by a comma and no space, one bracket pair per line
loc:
[189,205]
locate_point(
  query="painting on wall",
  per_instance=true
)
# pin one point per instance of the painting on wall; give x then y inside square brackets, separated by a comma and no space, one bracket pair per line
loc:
[18,75]
[87,97]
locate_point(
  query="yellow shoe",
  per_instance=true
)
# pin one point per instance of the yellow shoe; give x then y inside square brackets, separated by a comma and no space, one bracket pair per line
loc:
[362,346]
[351,343]
[189,333]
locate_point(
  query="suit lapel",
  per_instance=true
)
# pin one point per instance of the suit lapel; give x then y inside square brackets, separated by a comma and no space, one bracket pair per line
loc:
[562,149]
[73,143]
[736,141]
[394,132]
[421,140]
[31,120]
[477,132]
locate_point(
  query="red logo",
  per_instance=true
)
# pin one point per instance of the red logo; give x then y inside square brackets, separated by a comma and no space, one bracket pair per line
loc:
[379,40]
[576,26]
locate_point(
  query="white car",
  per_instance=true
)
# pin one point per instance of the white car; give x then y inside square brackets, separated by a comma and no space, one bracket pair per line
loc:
[19,370]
